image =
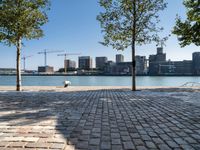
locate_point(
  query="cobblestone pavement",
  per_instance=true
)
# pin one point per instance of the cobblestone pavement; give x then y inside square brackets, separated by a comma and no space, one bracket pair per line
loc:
[102,119]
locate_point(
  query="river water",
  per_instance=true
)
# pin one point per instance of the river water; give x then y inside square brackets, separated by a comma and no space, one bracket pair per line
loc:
[98,80]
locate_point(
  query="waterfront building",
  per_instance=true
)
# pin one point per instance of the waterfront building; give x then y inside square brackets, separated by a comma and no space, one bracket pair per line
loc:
[45,69]
[155,60]
[159,57]
[141,65]
[7,70]
[119,58]
[125,68]
[69,64]
[174,68]
[109,67]
[196,63]
[122,68]
[85,62]
[159,66]
[100,62]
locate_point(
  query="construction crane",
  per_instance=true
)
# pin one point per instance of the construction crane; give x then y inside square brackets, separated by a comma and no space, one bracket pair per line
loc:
[65,58]
[24,60]
[45,52]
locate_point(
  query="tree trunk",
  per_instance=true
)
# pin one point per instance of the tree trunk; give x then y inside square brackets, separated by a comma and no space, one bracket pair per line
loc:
[18,83]
[133,47]
[133,67]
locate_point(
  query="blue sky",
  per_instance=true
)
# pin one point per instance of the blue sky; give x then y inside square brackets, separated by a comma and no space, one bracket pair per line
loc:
[73,27]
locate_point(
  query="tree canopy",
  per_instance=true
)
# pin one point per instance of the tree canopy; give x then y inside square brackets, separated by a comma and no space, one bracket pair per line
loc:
[188,31]
[22,19]
[123,18]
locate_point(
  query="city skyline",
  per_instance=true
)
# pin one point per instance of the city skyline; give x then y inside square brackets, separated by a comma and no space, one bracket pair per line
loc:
[67,27]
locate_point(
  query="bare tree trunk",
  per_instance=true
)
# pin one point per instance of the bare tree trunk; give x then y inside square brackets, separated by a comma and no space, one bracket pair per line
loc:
[133,47]
[18,83]
[133,67]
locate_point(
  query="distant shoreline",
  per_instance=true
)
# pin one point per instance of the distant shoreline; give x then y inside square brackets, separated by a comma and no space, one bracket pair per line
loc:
[177,75]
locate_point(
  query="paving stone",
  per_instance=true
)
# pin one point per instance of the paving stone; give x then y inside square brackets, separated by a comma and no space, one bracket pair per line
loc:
[115,135]
[141,148]
[38,145]
[187,147]
[57,146]
[94,141]
[172,144]
[117,147]
[150,144]
[128,145]
[17,144]
[101,119]
[94,147]
[82,145]
[116,141]
[138,142]
[126,138]
[4,144]
[105,145]
[180,141]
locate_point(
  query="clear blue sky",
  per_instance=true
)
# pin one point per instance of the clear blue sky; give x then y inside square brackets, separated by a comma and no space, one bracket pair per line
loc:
[73,27]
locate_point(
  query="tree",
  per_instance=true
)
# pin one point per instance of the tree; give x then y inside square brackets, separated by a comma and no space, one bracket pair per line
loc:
[129,22]
[21,20]
[188,31]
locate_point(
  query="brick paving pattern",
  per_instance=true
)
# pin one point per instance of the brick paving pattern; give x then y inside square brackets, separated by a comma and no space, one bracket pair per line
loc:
[97,120]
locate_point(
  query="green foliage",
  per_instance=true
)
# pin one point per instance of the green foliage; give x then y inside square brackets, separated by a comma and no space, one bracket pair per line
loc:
[188,31]
[22,19]
[125,21]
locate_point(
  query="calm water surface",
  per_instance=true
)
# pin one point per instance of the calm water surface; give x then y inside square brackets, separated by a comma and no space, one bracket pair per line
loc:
[97,80]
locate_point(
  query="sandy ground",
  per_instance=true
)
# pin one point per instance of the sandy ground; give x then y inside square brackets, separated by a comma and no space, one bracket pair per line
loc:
[86,88]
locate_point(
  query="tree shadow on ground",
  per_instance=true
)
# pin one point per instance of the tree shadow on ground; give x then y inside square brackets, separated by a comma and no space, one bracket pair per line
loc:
[106,119]
[69,116]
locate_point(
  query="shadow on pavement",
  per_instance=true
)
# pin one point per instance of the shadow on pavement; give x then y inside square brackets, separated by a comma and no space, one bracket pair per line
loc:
[101,119]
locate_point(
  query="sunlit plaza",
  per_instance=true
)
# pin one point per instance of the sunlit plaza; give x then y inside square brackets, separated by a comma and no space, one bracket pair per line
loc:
[86,118]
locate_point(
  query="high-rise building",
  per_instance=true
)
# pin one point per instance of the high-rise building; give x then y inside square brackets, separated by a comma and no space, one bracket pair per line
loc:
[85,62]
[155,60]
[159,57]
[141,65]
[123,68]
[196,63]
[69,64]
[100,62]
[119,58]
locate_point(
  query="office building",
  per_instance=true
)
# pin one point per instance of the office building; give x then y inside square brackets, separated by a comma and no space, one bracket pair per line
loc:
[119,58]
[123,68]
[69,64]
[85,62]
[159,57]
[155,60]
[159,66]
[100,62]
[45,69]
[141,65]
[196,63]
[173,68]
[7,70]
